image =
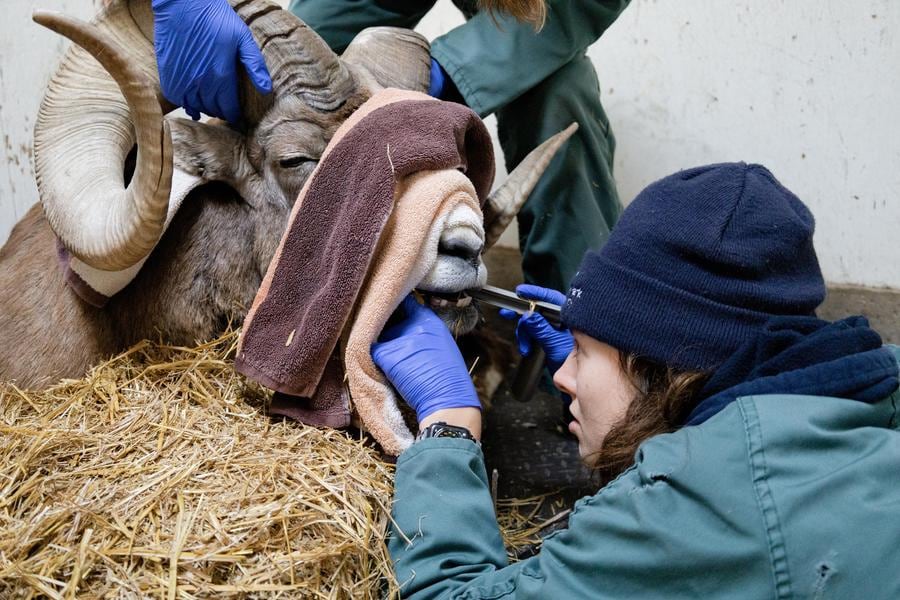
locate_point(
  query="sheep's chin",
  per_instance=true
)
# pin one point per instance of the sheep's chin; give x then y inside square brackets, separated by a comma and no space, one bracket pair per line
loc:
[459,320]
[457,310]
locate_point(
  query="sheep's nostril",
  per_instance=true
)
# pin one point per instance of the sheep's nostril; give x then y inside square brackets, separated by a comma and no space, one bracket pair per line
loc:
[468,253]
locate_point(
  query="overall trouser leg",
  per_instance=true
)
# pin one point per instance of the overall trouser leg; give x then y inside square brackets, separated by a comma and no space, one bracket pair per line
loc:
[575,204]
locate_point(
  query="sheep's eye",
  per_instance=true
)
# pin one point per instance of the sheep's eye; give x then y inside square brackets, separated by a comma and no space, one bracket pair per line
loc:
[293,162]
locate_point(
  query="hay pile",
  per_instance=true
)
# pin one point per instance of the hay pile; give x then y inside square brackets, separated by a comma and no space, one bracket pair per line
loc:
[159,475]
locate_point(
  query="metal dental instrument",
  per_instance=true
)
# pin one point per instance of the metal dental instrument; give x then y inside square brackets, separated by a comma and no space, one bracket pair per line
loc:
[506,299]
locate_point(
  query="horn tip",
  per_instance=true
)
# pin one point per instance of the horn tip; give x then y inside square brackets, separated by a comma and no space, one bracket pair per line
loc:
[41,16]
[50,19]
[572,128]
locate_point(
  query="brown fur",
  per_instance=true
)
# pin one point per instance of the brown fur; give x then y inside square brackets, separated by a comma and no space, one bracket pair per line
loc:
[203,275]
[41,320]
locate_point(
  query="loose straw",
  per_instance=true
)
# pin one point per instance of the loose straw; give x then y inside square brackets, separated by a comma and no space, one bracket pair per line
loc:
[159,475]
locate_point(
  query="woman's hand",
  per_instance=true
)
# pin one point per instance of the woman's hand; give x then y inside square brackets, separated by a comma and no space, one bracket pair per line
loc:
[533,328]
[199,44]
[421,359]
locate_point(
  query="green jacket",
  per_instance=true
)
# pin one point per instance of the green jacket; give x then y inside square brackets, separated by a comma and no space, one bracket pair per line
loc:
[776,496]
[490,67]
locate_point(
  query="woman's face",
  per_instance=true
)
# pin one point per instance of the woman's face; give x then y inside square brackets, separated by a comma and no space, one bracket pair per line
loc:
[601,392]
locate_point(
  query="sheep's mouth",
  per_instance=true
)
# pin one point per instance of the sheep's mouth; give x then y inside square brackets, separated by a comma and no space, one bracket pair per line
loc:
[445,299]
[457,310]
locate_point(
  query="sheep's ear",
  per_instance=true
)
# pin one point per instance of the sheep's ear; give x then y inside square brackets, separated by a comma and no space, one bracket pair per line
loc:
[504,203]
[393,56]
[210,151]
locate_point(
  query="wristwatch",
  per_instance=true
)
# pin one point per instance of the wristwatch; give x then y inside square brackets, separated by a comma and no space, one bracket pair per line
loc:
[443,430]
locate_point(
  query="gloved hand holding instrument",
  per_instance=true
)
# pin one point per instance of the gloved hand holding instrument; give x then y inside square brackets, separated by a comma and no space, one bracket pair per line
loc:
[540,335]
[420,358]
[199,44]
[534,328]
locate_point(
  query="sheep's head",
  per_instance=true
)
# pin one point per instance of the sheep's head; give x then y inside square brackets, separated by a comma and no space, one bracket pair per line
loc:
[464,236]
[104,103]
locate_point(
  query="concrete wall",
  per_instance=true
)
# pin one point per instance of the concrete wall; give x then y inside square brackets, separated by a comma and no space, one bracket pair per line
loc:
[809,88]
[28,57]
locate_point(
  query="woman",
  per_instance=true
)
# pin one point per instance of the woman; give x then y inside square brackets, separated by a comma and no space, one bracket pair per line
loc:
[751,450]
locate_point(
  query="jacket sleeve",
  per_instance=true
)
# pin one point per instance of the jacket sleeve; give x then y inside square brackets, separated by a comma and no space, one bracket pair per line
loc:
[444,532]
[494,59]
[653,532]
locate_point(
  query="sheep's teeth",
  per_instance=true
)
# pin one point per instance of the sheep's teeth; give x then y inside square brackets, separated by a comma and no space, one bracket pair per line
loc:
[461,302]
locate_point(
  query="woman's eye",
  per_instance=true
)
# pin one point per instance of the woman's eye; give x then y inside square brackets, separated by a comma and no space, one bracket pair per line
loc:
[293,162]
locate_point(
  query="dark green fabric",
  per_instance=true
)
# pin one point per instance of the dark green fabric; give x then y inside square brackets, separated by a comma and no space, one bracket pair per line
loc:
[493,60]
[338,21]
[537,84]
[770,498]
[575,204]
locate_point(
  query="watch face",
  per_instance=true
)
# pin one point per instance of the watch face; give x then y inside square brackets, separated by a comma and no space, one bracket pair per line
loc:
[442,429]
[453,432]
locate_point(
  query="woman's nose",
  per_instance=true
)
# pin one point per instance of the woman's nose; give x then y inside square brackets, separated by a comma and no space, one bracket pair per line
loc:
[564,378]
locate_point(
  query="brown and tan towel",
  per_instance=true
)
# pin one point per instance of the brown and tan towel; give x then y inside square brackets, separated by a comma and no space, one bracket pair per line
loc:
[424,201]
[315,278]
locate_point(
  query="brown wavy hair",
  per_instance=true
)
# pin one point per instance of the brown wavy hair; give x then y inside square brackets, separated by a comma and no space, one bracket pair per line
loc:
[528,11]
[664,398]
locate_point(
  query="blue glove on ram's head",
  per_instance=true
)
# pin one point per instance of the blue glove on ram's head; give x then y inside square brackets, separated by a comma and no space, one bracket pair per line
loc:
[421,359]
[535,329]
[198,46]
[438,80]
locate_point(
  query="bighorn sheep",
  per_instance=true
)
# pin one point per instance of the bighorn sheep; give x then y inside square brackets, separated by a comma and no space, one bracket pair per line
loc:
[108,204]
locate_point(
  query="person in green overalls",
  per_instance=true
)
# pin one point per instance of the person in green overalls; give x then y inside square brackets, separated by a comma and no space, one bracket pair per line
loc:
[747,448]
[537,82]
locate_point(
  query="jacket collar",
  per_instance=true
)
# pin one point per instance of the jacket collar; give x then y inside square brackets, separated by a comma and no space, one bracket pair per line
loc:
[804,355]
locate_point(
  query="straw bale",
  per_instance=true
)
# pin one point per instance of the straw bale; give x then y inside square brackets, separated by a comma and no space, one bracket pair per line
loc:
[159,475]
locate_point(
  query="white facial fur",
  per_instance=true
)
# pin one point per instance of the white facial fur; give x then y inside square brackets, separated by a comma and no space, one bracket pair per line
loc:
[458,265]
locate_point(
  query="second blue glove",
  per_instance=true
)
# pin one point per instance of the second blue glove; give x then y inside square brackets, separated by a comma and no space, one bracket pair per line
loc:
[535,329]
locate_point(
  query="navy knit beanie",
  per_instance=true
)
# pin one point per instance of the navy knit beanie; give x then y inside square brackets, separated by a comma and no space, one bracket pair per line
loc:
[698,262]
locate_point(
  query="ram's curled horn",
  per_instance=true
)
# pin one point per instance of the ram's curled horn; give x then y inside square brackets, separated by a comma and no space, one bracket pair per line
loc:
[299,61]
[504,203]
[105,99]
[394,56]
[101,102]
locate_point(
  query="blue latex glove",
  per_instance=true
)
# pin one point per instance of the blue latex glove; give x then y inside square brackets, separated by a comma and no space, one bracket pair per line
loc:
[438,80]
[198,46]
[421,359]
[533,328]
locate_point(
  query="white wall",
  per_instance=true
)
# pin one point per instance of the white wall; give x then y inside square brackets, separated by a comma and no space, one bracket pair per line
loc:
[28,57]
[810,88]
